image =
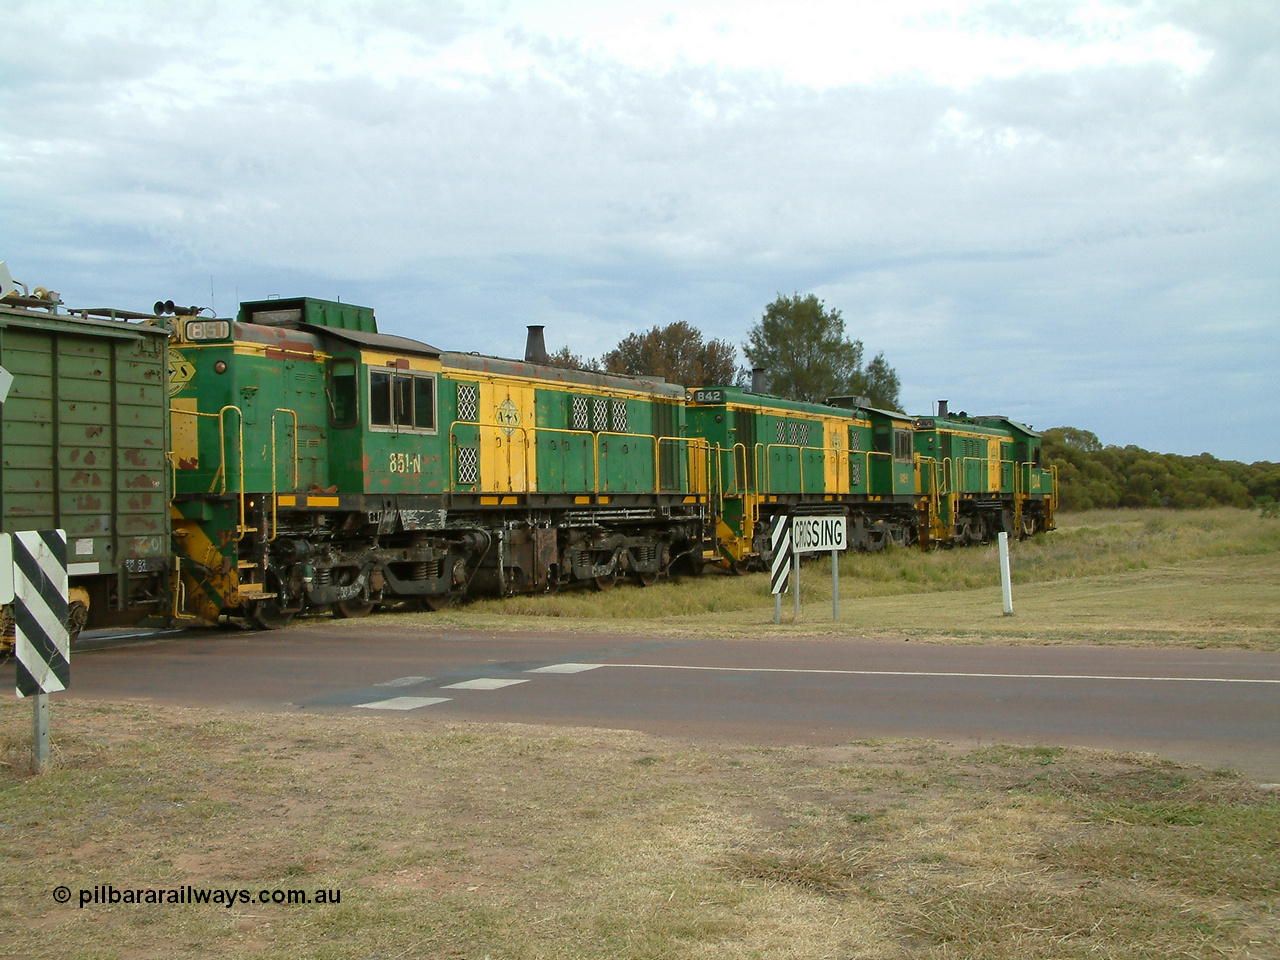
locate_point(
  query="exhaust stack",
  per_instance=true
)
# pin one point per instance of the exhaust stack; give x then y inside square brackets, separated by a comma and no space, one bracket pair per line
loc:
[942,408]
[759,380]
[535,348]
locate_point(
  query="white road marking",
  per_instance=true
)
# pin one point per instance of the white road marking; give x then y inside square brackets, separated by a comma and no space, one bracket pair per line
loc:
[930,673]
[483,683]
[401,703]
[567,668]
[403,682]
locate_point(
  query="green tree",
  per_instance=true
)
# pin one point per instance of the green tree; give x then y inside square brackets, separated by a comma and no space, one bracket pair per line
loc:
[564,357]
[882,384]
[1092,475]
[806,356]
[678,354]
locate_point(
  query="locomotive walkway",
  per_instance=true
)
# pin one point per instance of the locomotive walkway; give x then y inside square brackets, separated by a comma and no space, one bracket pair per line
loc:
[1212,707]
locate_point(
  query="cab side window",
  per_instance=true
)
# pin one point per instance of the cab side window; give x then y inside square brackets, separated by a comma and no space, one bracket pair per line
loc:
[902,446]
[402,401]
[343,403]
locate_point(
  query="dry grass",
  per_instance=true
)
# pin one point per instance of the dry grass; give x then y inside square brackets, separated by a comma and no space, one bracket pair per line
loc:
[523,842]
[1205,577]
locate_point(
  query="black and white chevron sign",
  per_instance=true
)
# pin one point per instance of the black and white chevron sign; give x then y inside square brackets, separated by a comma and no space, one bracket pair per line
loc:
[41,644]
[781,539]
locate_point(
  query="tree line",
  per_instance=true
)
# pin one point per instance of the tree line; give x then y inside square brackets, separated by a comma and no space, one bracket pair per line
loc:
[799,344]
[1092,475]
[805,354]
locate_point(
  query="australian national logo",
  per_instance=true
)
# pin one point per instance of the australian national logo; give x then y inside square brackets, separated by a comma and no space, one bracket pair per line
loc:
[508,416]
[181,370]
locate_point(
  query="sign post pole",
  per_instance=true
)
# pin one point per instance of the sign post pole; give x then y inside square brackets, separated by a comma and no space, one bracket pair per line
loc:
[835,584]
[40,752]
[795,573]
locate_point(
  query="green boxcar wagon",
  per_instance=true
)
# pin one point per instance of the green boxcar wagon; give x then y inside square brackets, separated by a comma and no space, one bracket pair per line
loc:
[83,441]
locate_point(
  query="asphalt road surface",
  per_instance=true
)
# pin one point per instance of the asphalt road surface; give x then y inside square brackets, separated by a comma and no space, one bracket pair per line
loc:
[1212,707]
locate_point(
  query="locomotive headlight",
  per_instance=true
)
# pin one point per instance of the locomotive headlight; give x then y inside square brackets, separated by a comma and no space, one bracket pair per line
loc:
[220,367]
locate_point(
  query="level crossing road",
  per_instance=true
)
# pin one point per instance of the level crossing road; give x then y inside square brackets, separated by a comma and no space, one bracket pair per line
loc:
[1212,707]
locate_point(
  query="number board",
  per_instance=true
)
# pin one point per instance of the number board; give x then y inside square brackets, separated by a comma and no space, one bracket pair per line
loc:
[815,534]
[708,396]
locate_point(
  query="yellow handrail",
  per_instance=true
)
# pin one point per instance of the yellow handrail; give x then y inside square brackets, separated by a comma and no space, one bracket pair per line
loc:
[221,474]
[275,525]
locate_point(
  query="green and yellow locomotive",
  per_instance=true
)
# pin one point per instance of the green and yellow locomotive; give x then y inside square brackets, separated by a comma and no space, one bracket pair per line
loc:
[314,463]
[896,480]
[981,476]
[320,464]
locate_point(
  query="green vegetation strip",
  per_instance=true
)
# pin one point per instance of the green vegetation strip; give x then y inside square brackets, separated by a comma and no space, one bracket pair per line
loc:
[1196,577]
[522,842]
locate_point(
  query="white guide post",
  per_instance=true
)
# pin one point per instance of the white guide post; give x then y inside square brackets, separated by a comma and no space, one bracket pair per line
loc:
[1006,586]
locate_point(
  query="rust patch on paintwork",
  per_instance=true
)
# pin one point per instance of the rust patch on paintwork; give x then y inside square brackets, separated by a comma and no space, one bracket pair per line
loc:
[92,431]
[75,455]
[135,457]
[89,502]
[188,464]
[90,458]
[142,480]
[82,479]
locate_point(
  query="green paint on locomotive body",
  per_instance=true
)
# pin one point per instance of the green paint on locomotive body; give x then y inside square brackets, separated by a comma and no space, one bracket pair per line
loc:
[528,428]
[762,445]
[260,422]
[330,314]
[892,460]
[984,456]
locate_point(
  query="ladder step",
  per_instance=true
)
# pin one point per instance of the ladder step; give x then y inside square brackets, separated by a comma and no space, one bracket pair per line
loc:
[253,591]
[246,529]
[247,564]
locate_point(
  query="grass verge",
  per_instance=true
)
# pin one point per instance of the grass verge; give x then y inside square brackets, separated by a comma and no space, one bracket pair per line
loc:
[520,842]
[1201,577]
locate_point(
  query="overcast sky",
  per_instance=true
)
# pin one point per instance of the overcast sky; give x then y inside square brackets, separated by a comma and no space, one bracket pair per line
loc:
[1066,212]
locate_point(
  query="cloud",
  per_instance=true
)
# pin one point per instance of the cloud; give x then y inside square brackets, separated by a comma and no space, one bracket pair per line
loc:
[1064,211]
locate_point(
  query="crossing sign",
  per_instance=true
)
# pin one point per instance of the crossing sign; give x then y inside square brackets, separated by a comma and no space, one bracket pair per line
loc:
[818,534]
[42,645]
[792,536]
[781,567]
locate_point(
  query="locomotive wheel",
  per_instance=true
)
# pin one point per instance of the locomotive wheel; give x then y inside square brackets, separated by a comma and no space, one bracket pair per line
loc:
[647,579]
[268,615]
[352,609]
[437,601]
[601,584]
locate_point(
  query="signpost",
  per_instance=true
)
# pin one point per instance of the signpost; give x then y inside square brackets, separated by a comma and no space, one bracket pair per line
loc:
[796,535]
